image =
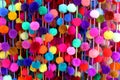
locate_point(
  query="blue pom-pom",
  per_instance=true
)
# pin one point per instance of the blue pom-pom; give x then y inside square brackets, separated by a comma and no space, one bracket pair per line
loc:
[70,71]
[4,71]
[3,12]
[62,67]
[33,7]
[39,2]
[27,62]
[94,3]
[85,24]
[49,56]
[24,7]
[63,8]
[20,62]
[43,30]
[68,17]
[14,79]
[36,64]
[59,21]
[31,31]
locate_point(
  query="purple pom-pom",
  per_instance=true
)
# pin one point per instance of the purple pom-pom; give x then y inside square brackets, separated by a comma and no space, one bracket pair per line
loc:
[12,33]
[77,2]
[48,17]
[4,71]
[43,30]
[70,70]
[5,46]
[27,62]
[33,7]
[24,7]
[85,24]
[115,56]
[105,69]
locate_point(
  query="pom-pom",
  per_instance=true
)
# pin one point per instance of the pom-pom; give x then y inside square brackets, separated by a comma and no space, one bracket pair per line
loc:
[114,74]
[43,49]
[49,56]
[85,2]
[107,52]
[27,62]
[94,32]
[108,35]
[53,31]
[62,29]
[40,76]
[53,49]
[43,68]
[49,17]
[109,15]
[24,7]
[7,77]
[42,10]
[11,8]
[54,12]
[49,74]
[105,69]
[18,6]
[94,14]
[97,76]
[4,29]
[76,22]
[100,19]
[36,64]
[62,47]
[12,33]
[76,62]
[6,63]
[43,30]
[3,12]
[99,39]
[70,70]
[84,65]
[34,25]
[77,2]
[68,17]
[3,4]
[71,50]
[26,44]
[21,78]
[76,43]
[71,7]
[85,46]
[52,67]
[101,0]
[24,36]
[91,72]
[115,56]
[12,15]
[85,24]
[48,37]
[5,46]
[3,21]
[117,17]
[116,37]
[93,53]
[25,25]
[14,67]
[62,67]
[39,39]
[68,58]
[71,30]
[39,1]
[59,21]
[101,12]
[35,46]
[20,62]
[63,8]
[33,7]
[59,60]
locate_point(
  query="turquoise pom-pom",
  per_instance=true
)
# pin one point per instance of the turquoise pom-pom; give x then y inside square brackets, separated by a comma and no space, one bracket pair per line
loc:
[36,64]
[62,67]
[49,56]
[76,43]
[53,31]
[25,25]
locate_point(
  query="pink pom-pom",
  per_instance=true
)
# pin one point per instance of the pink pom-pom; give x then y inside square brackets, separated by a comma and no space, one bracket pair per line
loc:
[62,47]
[76,22]
[34,25]
[117,17]
[2,21]
[71,50]
[85,2]
[85,46]
[38,39]
[6,63]
[26,44]
[93,53]
[94,32]
[71,30]
[99,40]
[14,67]
[52,67]
[54,12]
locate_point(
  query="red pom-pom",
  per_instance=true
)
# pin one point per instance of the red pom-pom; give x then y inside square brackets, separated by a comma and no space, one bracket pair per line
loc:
[28,77]
[98,59]
[68,58]
[82,10]
[107,52]
[34,48]
[18,27]
[84,66]
[101,0]
[109,15]
[75,78]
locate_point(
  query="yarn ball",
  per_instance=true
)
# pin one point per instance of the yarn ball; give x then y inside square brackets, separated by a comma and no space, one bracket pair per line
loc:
[3,12]
[62,29]
[99,40]
[35,46]
[76,43]
[49,74]
[18,6]
[105,69]
[116,37]
[2,21]
[93,53]
[52,67]
[59,21]
[76,21]
[62,67]
[25,25]
[6,63]
[48,37]
[108,35]
[97,77]
[5,46]
[4,29]
[109,15]
[12,15]
[43,68]
[34,25]
[62,8]
[91,72]
[85,24]
[14,67]
[107,52]
[70,70]
[71,50]
[85,2]
[117,17]
[48,17]
[12,33]
[7,77]
[94,13]
[115,56]
[54,12]
[100,19]
[36,64]
[40,76]
[42,10]
[24,7]
[26,44]
[71,7]
[53,49]
[53,31]
[24,36]
[49,56]
[62,47]
[27,62]
[76,62]
[68,17]
[59,60]
[77,2]
[85,46]
[94,32]
[43,49]
[84,65]
[33,7]
[71,30]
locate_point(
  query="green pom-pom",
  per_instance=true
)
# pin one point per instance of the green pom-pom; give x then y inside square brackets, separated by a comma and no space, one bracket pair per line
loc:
[25,25]
[11,8]
[42,10]
[53,31]
[40,76]
[100,19]
[76,43]
[80,16]
[97,77]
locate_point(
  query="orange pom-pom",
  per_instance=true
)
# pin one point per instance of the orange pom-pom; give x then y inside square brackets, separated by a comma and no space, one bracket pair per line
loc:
[115,66]
[107,52]
[48,37]
[21,78]
[4,29]
[43,49]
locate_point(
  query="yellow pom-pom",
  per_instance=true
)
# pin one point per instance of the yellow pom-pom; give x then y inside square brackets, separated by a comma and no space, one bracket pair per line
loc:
[43,68]
[108,35]
[3,55]
[32,69]
[24,36]
[88,35]
[18,6]
[53,49]
[114,74]
[12,15]
[18,20]
[78,74]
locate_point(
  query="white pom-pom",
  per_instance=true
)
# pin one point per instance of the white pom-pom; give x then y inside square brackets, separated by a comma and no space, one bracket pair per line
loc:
[71,7]
[116,37]
[94,13]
